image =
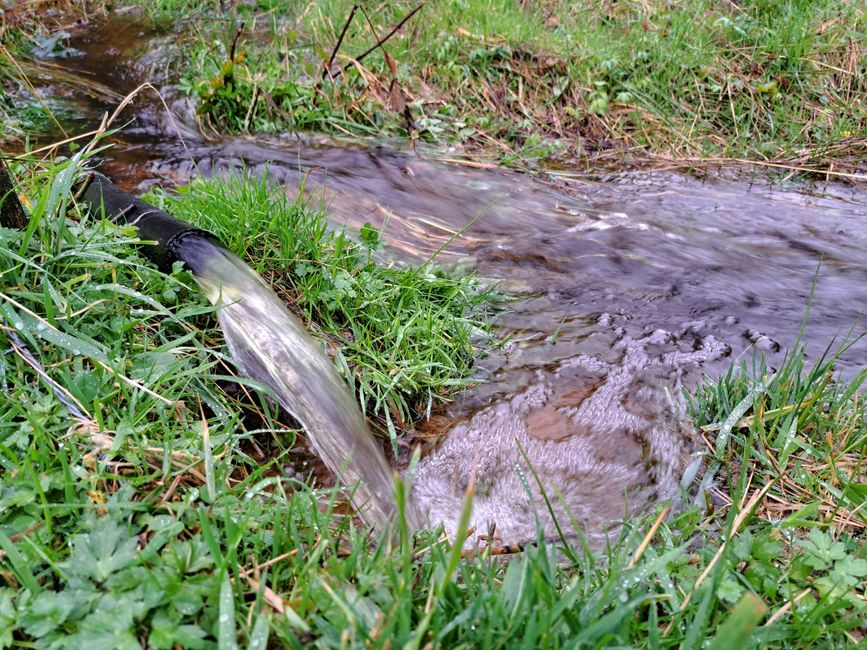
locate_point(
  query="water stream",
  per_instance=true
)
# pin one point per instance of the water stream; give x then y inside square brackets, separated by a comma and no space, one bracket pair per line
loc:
[271,346]
[629,287]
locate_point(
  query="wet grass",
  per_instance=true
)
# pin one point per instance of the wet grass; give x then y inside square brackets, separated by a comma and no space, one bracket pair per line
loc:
[408,335]
[137,509]
[34,29]
[780,84]
[777,82]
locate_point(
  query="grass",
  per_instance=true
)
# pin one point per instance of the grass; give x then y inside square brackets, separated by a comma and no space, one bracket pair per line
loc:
[779,84]
[27,30]
[408,335]
[768,81]
[803,429]
[113,536]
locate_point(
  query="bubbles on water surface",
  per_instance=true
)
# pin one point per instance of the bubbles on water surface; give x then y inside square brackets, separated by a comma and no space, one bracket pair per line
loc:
[605,438]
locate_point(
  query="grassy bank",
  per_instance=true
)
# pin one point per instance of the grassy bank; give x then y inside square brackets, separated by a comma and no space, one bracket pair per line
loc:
[778,83]
[407,336]
[27,30]
[139,508]
[521,82]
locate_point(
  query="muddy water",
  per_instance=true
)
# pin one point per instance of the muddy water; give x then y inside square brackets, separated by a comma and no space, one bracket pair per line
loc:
[628,289]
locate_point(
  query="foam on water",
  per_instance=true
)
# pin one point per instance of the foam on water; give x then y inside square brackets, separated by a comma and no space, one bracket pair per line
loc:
[584,445]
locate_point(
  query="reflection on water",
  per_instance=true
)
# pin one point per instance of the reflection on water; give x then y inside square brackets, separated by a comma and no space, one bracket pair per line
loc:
[629,289]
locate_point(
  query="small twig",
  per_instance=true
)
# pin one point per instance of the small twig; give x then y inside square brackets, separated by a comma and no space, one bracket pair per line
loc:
[384,39]
[132,382]
[340,38]
[75,408]
[24,78]
[647,538]
[17,537]
[268,594]
[739,520]
[258,568]
[108,120]
[508,549]
[252,108]
[235,42]
[60,143]
[102,364]
[785,608]
[168,493]
[762,163]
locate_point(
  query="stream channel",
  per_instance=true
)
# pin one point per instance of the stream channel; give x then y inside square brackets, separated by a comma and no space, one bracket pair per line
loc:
[629,286]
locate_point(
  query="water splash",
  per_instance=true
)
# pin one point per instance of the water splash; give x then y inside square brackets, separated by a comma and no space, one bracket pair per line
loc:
[272,347]
[584,446]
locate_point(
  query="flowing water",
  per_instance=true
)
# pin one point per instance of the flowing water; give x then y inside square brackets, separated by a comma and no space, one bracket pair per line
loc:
[629,287]
[272,347]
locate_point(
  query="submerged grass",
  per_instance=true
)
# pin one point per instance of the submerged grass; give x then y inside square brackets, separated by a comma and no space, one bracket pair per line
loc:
[30,29]
[137,510]
[761,80]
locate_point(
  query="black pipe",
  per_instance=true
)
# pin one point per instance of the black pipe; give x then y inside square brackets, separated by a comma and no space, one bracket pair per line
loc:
[152,223]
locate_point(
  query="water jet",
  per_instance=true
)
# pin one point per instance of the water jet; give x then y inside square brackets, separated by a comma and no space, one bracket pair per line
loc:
[268,343]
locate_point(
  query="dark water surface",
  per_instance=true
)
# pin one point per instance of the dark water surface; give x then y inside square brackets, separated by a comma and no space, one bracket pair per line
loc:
[628,288]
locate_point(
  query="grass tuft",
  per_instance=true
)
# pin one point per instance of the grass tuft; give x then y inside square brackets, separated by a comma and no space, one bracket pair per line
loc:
[407,335]
[805,435]
[521,82]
